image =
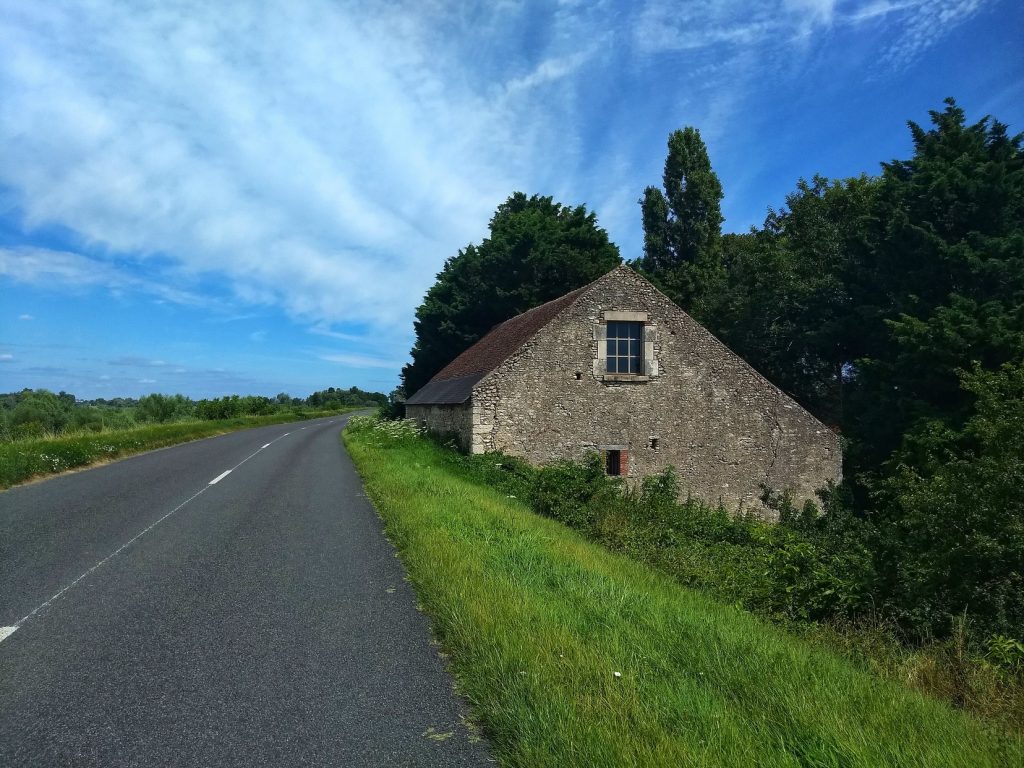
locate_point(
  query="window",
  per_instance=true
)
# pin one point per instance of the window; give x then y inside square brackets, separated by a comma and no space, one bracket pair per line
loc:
[613,464]
[623,347]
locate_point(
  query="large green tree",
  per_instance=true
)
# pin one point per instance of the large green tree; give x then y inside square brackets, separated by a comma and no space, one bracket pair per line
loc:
[942,287]
[894,307]
[683,224]
[537,250]
[785,304]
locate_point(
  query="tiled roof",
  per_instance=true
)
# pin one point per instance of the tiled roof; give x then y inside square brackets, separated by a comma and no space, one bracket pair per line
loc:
[488,353]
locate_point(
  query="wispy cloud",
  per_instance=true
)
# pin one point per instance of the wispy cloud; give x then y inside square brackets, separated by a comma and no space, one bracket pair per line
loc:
[26,317]
[6,357]
[50,268]
[360,361]
[133,361]
[912,26]
[325,158]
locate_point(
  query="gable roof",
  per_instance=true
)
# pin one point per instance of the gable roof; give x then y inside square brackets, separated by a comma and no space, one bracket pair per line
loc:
[454,383]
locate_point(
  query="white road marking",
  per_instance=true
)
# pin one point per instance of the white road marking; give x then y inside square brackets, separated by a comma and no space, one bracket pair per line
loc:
[8,631]
[220,477]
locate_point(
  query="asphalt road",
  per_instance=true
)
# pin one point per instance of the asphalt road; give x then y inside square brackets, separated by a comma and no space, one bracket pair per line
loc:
[263,620]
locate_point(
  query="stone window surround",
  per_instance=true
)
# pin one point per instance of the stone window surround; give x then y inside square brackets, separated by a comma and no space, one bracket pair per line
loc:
[648,362]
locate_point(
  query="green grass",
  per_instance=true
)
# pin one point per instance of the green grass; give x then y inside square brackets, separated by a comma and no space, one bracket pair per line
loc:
[26,459]
[537,620]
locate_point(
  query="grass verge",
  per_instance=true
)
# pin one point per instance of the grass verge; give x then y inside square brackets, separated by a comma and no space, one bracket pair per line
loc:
[538,621]
[23,460]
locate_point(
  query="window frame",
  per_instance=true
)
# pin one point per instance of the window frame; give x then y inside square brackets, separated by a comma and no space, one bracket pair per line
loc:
[631,334]
[647,362]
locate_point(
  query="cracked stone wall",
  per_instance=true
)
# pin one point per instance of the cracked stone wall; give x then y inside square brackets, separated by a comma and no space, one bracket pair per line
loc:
[699,407]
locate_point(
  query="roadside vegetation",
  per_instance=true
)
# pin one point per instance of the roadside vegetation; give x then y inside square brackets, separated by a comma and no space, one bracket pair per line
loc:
[571,654]
[43,433]
[889,305]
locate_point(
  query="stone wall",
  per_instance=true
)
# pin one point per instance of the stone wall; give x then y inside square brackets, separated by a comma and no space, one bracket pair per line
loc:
[697,406]
[455,420]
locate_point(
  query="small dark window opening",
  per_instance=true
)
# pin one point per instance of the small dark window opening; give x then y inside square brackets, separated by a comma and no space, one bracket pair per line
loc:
[579,375]
[654,443]
[613,463]
[623,346]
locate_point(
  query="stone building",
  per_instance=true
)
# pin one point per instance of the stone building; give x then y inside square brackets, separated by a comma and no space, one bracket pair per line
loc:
[616,367]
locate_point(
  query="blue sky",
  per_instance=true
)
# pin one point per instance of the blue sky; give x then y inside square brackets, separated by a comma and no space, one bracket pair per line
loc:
[224,197]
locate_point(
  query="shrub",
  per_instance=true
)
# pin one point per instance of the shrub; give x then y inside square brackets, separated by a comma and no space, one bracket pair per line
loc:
[39,412]
[163,408]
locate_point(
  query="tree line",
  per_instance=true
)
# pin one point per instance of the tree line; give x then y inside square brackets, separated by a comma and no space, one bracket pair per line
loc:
[890,305]
[38,412]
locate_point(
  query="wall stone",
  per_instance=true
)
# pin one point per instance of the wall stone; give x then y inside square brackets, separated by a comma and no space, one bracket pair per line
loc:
[699,408]
[455,420]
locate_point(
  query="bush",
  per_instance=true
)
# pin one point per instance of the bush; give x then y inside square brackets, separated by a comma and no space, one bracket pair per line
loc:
[952,530]
[163,408]
[39,412]
[573,492]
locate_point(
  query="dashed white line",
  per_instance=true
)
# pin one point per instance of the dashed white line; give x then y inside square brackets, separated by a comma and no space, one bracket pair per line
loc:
[6,632]
[220,477]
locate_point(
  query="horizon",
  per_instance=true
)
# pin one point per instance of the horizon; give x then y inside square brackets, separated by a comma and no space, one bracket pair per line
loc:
[217,200]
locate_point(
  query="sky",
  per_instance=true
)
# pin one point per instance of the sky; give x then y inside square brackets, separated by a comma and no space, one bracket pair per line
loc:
[237,197]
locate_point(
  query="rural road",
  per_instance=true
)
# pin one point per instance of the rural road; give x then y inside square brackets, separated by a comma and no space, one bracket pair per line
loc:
[163,619]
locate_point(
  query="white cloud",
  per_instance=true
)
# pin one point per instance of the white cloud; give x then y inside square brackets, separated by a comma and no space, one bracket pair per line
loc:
[361,361]
[6,357]
[550,70]
[45,267]
[326,158]
[26,317]
[315,158]
[147,381]
[913,26]
[258,336]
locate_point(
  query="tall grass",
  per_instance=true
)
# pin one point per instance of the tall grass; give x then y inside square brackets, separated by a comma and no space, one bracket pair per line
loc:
[575,656]
[24,459]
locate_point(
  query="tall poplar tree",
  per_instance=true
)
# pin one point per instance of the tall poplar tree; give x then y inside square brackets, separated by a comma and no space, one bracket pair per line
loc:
[683,224]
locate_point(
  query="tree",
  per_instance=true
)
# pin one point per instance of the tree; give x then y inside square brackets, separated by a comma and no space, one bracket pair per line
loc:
[683,224]
[40,411]
[785,303]
[160,408]
[943,287]
[953,527]
[537,251]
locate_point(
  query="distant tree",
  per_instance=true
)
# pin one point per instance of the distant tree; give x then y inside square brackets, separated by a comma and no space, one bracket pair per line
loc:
[333,398]
[161,408]
[537,250]
[683,224]
[39,411]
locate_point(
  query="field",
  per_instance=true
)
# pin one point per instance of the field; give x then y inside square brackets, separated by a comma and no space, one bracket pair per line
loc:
[24,459]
